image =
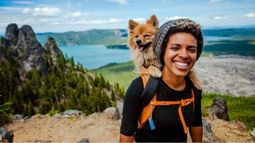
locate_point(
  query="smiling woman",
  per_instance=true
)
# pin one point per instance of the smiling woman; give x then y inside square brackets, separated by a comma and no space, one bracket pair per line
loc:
[175,106]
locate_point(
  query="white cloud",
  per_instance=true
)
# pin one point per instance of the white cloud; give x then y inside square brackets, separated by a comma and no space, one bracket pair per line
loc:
[42,11]
[78,14]
[219,17]
[214,1]
[120,2]
[174,17]
[98,22]
[139,19]
[250,15]
[22,2]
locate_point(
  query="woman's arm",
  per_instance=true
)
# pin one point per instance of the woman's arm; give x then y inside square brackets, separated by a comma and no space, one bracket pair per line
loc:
[196,133]
[131,111]
[126,139]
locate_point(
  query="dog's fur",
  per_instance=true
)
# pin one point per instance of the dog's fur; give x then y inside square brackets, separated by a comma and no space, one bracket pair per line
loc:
[140,40]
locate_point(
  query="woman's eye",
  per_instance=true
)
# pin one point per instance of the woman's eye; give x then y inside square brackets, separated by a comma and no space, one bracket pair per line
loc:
[193,50]
[174,48]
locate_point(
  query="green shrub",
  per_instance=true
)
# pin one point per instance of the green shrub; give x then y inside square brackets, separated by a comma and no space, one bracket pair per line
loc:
[5,113]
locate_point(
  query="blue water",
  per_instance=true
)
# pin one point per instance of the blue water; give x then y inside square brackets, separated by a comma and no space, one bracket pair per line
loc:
[215,38]
[95,56]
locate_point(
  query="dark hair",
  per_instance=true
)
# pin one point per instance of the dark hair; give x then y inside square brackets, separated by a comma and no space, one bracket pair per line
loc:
[174,26]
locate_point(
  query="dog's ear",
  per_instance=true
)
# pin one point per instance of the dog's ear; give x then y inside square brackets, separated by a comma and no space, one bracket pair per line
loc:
[132,24]
[153,20]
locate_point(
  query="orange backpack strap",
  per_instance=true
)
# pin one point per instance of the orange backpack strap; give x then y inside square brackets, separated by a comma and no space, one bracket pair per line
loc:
[148,109]
[146,112]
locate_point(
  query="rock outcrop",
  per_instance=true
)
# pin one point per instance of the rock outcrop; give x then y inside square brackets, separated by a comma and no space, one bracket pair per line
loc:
[6,136]
[12,32]
[52,48]
[23,47]
[218,109]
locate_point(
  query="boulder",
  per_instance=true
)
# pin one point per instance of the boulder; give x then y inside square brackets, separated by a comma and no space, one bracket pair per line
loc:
[208,136]
[6,136]
[218,109]
[111,113]
[17,117]
[84,140]
[72,112]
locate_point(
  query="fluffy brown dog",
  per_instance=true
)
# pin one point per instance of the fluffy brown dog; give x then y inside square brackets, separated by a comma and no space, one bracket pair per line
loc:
[140,39]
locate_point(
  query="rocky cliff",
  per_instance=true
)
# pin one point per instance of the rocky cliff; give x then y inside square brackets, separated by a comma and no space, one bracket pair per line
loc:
[21,45]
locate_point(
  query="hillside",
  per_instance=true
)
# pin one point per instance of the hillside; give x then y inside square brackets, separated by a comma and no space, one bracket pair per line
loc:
[94,36]
[39,79]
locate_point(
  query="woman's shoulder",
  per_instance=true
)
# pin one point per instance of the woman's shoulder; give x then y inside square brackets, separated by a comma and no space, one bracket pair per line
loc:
[136,84]
[197,90]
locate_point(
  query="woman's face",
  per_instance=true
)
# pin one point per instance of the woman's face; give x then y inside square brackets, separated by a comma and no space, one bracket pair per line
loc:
[180,54]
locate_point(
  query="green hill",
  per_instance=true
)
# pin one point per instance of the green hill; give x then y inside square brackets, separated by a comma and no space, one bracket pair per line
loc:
[94,36]
[119,73]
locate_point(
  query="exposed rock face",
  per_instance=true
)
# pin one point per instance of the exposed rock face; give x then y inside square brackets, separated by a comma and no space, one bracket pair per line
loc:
[53,49]
[24,48]
[11,33]
[30,50]
[219,109]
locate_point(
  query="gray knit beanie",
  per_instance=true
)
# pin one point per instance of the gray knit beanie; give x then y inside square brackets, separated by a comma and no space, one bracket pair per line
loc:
[174,26]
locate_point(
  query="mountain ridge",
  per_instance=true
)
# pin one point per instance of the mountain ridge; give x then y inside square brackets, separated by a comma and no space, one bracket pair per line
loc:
[119,36]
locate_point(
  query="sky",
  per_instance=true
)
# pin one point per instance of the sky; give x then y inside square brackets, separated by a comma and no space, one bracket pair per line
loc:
[80,15]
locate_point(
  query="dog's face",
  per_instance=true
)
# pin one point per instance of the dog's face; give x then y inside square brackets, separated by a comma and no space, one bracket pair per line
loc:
[141,36]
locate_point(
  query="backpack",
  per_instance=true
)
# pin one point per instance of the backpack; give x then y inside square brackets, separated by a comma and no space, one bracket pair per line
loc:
[149,102]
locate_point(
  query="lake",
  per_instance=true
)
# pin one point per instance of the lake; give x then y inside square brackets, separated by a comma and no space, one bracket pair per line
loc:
[95,56]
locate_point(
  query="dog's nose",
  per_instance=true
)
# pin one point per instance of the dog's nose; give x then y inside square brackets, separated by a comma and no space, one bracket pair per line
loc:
[138,42]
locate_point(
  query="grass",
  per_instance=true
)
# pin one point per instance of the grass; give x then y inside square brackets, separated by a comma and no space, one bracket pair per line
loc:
[122,73]
[239,108]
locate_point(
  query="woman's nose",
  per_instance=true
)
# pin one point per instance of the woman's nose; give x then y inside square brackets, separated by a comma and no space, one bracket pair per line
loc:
[183,54]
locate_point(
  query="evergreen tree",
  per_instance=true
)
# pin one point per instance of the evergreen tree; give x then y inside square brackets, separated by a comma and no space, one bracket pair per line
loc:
[5,113]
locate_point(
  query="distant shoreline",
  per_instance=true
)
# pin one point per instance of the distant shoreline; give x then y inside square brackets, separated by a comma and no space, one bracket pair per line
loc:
[124,47]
